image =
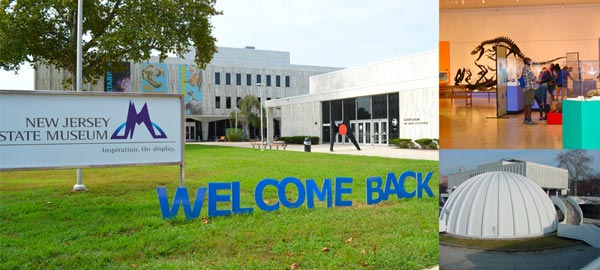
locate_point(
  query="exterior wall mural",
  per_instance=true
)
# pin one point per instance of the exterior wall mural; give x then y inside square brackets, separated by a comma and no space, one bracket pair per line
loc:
[118,79]
[190,86]
[155,78]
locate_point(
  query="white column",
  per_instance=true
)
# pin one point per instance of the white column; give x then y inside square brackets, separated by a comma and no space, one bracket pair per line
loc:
[204,130]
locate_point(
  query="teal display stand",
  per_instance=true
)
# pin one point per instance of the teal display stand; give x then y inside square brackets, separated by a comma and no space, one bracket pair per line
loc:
[580,124]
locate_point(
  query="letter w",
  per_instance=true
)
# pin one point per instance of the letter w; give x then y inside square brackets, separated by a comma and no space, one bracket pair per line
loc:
[181,198]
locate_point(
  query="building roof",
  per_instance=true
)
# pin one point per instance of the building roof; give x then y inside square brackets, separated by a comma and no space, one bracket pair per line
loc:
[498,205]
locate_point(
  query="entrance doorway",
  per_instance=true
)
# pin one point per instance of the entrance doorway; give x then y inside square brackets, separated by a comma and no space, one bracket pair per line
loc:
[373,132]
[190,131]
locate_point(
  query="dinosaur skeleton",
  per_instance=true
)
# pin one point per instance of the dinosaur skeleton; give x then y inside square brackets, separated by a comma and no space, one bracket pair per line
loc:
[483,81]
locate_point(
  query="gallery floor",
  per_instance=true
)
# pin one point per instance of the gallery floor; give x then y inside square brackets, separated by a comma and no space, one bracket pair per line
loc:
[476,127]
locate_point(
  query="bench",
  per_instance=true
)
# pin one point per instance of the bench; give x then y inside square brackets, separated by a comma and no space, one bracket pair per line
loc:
[277,144]
[453,92]
[257,143]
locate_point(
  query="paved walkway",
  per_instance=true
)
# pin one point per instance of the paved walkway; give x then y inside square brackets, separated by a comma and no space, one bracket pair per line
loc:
[572,257]
[366,150]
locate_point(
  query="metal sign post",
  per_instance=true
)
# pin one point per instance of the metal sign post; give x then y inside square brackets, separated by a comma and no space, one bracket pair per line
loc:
[79,82]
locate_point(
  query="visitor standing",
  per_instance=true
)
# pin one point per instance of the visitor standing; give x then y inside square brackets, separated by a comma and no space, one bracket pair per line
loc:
[529,91]
[563,86]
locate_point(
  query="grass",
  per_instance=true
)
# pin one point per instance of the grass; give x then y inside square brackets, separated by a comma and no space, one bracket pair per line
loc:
[536,243]
[117,224]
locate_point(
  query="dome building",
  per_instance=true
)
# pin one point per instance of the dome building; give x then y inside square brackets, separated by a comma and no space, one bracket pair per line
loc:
[498,205]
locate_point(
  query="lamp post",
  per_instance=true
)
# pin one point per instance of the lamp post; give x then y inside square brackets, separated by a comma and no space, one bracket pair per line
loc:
[236,110]
[262,142]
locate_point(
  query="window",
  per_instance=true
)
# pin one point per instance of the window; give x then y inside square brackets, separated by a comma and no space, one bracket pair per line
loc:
[217,102]
[363,108]
[325,113]
[258,79]
[248,79]
[228,78]
[287,81]
[228,103]
[237,101]
[268,80]
[349,109]
[379,106]
[277,81]
[238,79]
[217,78]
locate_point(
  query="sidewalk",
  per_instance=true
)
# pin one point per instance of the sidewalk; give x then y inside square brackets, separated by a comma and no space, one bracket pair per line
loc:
[366,150]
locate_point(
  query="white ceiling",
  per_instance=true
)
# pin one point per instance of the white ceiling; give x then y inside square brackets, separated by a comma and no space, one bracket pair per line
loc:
[468,4]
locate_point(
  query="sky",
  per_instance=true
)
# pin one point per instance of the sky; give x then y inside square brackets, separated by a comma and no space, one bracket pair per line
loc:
[452,160]
[335,33]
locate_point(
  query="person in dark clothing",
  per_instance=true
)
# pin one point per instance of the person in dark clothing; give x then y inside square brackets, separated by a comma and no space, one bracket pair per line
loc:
[547,85]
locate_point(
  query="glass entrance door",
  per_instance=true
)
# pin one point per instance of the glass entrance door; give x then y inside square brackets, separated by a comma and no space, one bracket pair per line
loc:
[190,132]
[371,131]
[380,134]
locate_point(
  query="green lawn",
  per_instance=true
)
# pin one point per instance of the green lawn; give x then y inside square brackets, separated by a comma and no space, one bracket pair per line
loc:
[117,224]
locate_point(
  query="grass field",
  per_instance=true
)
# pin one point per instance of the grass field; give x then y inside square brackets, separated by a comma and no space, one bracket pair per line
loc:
[117,223]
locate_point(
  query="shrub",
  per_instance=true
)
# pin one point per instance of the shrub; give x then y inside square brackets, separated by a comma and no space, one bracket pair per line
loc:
[402,143]
[233,134]
[427,143]
[300,139]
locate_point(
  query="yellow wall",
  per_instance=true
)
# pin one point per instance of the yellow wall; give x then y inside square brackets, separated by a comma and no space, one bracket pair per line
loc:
[542,33]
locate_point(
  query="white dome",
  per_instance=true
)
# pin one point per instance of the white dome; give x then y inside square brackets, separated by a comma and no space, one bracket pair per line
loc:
[498,205]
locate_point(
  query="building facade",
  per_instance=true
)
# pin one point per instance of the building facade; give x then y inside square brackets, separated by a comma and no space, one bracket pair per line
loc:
[397,98]
[554,181]
[210,95]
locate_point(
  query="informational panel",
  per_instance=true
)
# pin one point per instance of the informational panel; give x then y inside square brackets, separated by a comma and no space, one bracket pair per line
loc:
[501,80]
[155,78]
[52,129]
[575,69]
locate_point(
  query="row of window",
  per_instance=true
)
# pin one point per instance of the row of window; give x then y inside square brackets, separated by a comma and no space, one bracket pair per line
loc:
[238,79]
[228,102]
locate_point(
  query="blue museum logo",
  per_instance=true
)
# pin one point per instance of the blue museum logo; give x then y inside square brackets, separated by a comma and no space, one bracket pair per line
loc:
[134,119]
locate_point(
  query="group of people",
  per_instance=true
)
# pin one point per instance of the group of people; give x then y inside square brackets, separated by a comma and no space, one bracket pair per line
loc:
[550,79]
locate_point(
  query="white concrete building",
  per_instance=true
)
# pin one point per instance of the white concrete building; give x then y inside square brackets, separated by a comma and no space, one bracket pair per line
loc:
[210,94]
[554,181]
[397,98]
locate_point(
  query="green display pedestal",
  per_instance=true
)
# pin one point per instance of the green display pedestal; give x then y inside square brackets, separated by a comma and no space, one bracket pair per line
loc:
[580,124]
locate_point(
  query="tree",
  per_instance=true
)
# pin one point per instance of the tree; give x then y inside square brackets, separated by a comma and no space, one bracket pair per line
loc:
[249,113]
[578,163]
[45,32]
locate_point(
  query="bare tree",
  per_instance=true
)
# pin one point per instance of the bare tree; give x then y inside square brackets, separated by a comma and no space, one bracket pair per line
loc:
[579,165]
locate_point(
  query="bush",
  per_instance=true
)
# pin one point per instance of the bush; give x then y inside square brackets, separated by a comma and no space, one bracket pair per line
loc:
[300,139]
[233,134]
[427,143]
[402,143]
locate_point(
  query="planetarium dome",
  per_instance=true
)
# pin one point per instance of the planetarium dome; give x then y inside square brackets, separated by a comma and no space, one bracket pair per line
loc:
[498,205]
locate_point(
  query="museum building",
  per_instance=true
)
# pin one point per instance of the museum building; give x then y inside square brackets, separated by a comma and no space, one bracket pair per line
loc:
[554,181]
[395,98]
[210,95]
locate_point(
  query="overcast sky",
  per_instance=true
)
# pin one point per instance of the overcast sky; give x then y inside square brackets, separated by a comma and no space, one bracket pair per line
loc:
[452,160]
[337,33]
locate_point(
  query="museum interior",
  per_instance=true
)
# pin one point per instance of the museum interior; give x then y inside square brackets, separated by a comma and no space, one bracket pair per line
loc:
[482,48]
